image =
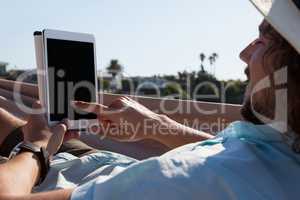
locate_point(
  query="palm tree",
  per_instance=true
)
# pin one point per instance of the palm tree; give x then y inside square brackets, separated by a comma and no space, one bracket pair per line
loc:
[215,57]
[211,59]
[114,67]
[202,58]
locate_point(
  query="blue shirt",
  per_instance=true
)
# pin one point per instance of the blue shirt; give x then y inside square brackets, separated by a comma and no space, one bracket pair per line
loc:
[244,161]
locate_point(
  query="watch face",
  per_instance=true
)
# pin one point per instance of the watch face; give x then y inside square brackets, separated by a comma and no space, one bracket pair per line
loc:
[31,147]
[24,146]
[15,151]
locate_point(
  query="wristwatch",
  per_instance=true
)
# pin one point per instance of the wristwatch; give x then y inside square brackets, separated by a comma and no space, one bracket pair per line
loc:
[40,152]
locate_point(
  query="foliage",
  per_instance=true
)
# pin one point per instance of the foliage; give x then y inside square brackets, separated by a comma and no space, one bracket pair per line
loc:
[175,90]
[114,67]
[203,86]
[104,84]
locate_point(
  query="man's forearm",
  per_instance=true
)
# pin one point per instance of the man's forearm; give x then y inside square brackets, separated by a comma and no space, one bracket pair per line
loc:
[174,134]
[19,175]
[57,195]
[8,123]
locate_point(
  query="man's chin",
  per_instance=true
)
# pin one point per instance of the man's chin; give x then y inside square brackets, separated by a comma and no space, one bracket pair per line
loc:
[248,114]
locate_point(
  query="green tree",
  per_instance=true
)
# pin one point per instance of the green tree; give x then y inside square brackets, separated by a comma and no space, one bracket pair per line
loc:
[212,60]
[175,90]
[114,67]
[235,91]
[104,84]
[202,59]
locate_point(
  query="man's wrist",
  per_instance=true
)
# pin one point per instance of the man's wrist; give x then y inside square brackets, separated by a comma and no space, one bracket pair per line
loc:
[173,134]
[164,127]
[37,152]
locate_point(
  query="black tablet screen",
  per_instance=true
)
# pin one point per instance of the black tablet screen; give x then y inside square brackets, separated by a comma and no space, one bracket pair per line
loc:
[71,76]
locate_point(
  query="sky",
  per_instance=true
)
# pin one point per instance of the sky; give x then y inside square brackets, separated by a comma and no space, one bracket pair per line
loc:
[147,36]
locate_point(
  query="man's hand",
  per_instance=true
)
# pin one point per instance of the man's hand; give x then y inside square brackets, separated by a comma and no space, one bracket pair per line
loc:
[19,175]
[124,120]
[127,120]
[38,132]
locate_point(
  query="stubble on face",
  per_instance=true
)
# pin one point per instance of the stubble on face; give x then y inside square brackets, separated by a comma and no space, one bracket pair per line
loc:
[247,109]
[262,102]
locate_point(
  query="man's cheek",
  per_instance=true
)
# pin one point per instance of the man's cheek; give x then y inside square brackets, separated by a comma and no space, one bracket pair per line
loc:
[257,70]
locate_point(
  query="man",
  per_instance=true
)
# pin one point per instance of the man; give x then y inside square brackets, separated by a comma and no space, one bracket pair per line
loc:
[248,160]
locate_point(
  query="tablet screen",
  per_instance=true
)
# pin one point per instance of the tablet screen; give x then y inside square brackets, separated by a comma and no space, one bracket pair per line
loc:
[71,76]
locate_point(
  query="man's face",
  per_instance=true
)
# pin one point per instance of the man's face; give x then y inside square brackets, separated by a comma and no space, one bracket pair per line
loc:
[253,55]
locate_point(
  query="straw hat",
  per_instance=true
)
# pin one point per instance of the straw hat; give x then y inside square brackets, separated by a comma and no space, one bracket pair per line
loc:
[284,16]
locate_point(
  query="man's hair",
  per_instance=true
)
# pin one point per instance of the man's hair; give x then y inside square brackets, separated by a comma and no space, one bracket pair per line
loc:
[282,54]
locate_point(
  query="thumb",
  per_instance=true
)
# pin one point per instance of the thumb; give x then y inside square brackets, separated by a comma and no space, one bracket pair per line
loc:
[59,129]
[57,138]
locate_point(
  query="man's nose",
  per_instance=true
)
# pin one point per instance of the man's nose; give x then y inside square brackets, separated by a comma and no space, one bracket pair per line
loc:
[246,54]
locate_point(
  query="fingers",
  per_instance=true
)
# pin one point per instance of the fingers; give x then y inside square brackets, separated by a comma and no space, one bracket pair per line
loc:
[119,104]
[90,107]
[36,105]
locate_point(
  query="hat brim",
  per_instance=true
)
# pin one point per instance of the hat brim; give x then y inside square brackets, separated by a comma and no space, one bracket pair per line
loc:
[284,16]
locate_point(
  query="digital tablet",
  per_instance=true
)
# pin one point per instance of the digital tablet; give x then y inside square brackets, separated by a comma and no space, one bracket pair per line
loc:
[66,71]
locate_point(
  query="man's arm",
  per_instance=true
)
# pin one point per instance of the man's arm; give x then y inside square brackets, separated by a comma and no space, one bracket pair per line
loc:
[57,195]
[8,123]
[136,122]
[173,134]
[19,175]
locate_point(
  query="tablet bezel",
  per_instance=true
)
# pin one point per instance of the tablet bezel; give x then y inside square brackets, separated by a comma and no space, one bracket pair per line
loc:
[81,124]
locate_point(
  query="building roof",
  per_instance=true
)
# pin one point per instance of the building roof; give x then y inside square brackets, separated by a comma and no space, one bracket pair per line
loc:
[3,63]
